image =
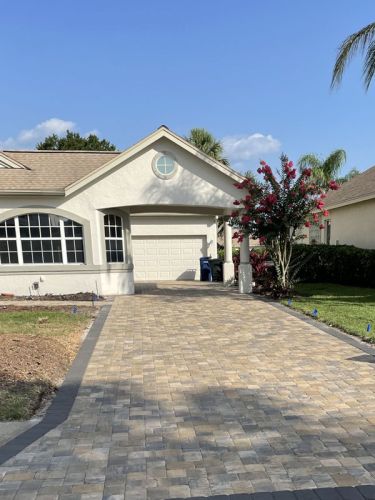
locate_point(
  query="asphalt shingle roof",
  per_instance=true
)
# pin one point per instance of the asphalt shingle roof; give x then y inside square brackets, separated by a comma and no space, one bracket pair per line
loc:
[50,170]
[361,186]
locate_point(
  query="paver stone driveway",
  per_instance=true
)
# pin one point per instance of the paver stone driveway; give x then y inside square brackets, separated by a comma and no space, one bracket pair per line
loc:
[194,390]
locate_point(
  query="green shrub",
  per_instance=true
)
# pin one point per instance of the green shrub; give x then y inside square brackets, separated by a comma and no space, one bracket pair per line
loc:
[341,264]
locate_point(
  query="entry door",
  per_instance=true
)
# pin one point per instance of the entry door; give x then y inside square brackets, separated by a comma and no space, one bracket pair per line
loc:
[167,257]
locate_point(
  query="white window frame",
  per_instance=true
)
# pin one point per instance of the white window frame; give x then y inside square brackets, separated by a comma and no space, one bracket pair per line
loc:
[114,238]
[156,170]
[62,238]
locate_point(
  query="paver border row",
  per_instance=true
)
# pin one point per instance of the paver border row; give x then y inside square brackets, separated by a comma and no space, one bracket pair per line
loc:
[61,405]
[363,492]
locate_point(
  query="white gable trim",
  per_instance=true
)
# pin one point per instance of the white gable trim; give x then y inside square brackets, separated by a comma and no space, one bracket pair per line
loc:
[160,133]
[9,163]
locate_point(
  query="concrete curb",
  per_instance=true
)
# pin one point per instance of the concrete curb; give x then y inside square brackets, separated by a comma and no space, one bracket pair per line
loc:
[62,404]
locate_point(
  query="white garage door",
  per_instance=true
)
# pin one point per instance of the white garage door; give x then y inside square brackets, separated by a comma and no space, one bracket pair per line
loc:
[167,257]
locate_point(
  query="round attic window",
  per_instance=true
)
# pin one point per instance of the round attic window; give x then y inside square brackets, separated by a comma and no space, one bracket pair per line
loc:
[164,165]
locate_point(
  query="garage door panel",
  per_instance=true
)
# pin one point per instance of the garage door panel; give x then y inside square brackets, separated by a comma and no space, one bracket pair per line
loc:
[168,258]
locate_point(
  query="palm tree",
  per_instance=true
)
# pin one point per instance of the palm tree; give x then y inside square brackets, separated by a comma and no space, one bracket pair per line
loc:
[362,40]
[206,142]
[349,176]
[324,170]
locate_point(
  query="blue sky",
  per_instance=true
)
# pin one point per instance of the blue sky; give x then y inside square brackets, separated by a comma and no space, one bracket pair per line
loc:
[243,69]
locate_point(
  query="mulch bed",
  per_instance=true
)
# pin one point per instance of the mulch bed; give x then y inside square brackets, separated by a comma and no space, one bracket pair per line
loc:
[69,297]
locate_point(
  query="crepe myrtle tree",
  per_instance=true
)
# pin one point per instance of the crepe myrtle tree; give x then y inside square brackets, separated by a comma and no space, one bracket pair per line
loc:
[275,209]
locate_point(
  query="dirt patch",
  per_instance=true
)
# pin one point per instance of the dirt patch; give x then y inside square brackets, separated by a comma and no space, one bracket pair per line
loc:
[35,356]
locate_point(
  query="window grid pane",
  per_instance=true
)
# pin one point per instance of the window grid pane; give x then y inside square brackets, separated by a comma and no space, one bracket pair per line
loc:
[8,242]
[165,165]
[113,238]
[40,240]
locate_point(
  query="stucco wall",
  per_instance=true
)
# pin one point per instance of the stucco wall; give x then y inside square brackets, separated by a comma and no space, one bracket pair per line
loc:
[134,183]
[353,225]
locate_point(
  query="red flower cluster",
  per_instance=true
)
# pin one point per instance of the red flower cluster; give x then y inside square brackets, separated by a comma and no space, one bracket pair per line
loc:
[333,185]
[320,204]
[289,170]
[307,172]
[265,169]
[269,200]
[246,183]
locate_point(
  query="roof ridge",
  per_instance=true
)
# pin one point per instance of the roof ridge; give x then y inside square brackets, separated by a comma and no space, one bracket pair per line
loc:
[58,151]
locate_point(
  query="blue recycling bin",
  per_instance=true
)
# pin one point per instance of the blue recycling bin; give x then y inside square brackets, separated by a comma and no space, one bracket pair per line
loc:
[206,273]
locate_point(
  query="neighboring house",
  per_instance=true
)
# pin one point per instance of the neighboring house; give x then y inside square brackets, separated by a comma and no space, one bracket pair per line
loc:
[351,219]
[96,221]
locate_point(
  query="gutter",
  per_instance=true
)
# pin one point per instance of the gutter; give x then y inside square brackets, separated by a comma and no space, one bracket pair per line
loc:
[23,192]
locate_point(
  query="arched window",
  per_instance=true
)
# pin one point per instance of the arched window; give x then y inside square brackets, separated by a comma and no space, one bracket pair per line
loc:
[41,238]
[114,242]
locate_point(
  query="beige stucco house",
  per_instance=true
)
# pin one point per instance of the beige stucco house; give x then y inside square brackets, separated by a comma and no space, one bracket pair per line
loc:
[351,219]
[98,221]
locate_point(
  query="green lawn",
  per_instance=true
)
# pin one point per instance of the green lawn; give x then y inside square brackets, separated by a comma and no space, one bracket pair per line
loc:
[37,348]
[41,321]
[349,308]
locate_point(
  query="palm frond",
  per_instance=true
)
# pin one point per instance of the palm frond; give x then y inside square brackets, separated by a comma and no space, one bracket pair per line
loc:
[206,142]
[356,41]
[333,164]
[309,160]
[369,65]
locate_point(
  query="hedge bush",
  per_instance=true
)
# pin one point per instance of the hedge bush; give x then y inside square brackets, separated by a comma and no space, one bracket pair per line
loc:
[341,264]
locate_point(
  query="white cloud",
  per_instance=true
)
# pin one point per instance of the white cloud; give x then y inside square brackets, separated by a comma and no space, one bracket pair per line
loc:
[91,132]
[28,138]
[240,148]
[40,131]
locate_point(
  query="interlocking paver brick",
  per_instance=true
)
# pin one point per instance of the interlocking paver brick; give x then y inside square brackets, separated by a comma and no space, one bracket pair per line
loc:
[194,390]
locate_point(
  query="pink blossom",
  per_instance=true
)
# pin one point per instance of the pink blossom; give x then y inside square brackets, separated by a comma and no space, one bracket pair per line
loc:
[333,185]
